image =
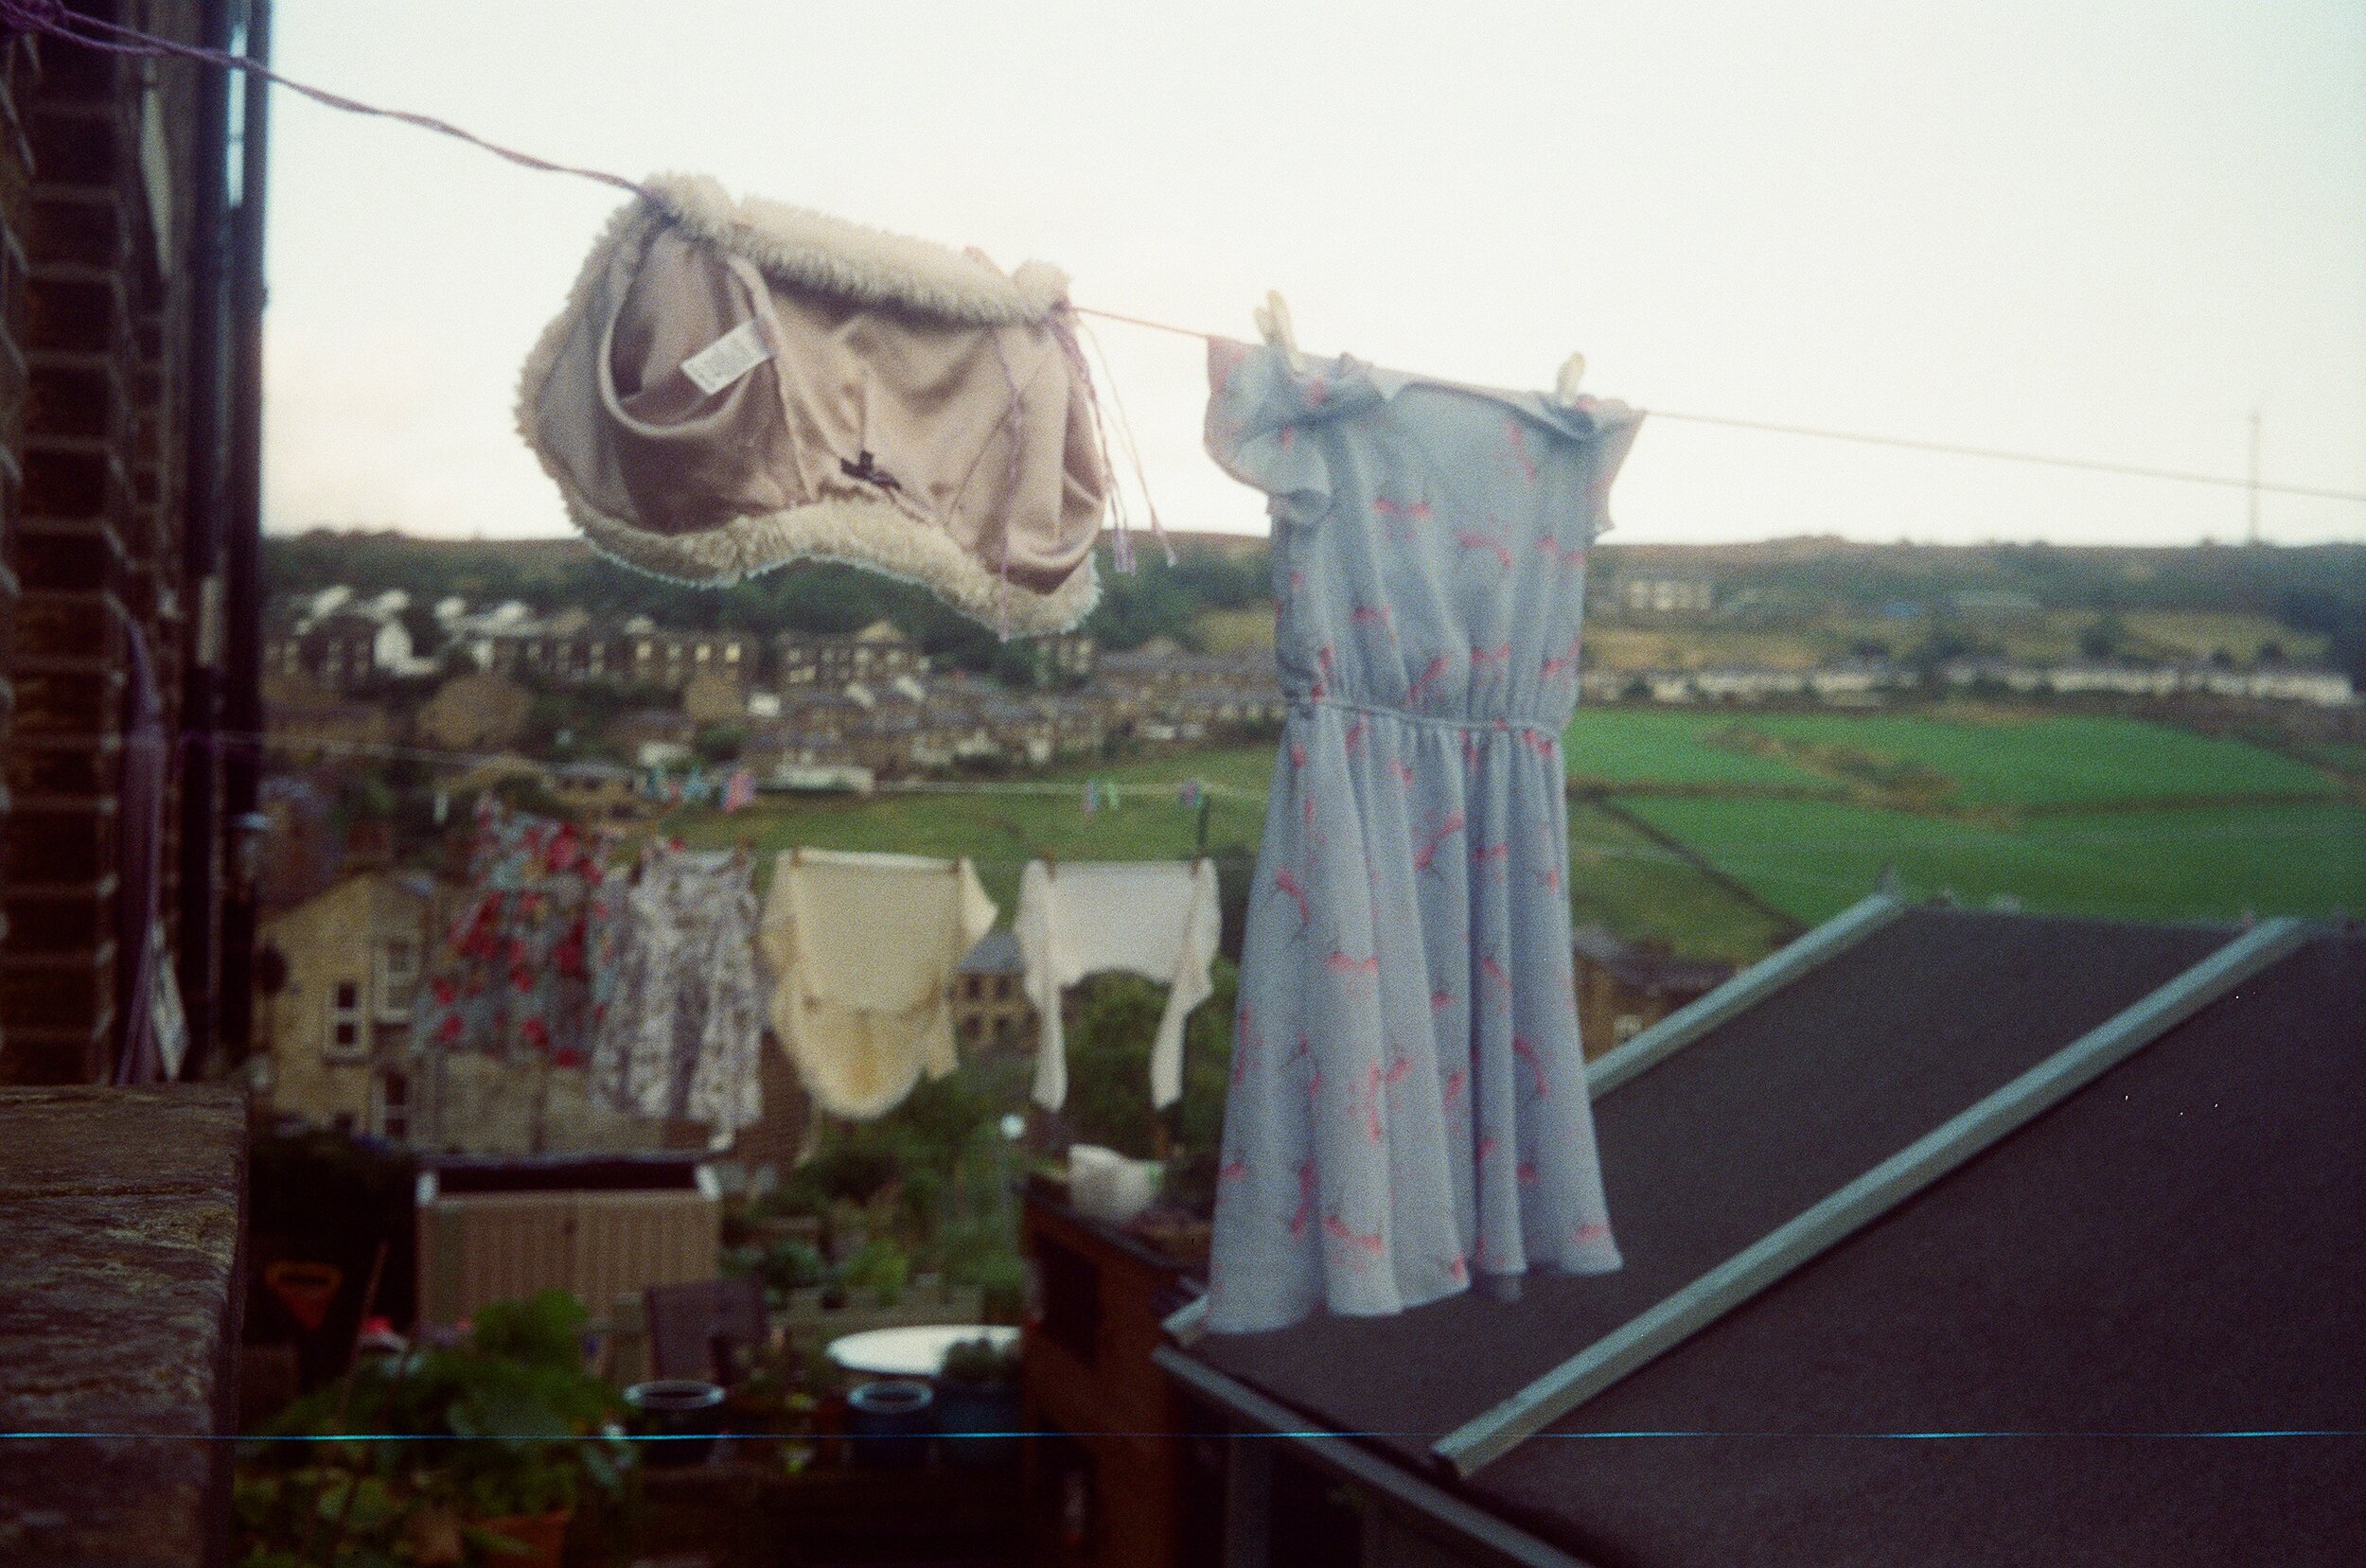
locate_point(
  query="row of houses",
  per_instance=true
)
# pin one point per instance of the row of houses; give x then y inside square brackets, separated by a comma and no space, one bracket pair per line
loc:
[1867,683]
[349,642]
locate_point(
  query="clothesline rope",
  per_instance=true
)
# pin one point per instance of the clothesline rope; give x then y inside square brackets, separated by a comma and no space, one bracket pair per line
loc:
[1950,449]
[52,18]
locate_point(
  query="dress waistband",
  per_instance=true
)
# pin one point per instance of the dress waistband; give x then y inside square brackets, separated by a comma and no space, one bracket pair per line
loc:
[1481,726]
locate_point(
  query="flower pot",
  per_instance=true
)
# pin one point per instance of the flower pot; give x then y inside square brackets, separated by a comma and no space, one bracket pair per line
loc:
[977,1422]
[542,1535]
[891,1422]
[681,1414]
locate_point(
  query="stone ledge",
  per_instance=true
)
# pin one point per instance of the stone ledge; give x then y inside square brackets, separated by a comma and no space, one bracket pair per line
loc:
[121,1213]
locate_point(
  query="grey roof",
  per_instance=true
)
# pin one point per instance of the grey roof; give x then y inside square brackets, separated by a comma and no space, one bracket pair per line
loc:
[2162,1252]
[996,953]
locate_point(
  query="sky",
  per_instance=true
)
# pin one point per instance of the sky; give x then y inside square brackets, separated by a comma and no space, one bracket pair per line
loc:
[2100,230]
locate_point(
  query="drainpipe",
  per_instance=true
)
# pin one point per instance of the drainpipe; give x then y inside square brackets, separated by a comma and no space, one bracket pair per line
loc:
[243,561]
[204,494]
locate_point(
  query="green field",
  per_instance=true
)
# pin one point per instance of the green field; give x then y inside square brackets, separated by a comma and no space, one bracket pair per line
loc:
[1646,892]
[2047,762]
[1812,858]
[2116,817]
[1001,831]
[1972,760]
[1624,747]
[1618,875]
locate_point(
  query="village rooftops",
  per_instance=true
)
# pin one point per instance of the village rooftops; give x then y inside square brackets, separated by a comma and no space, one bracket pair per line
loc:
[1971,1237]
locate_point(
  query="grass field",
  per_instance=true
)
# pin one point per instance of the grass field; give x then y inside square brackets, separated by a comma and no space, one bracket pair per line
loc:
[1618,875]
[2119,822]
[1973,758]
[1001,831]
[1812,858]
[1623,747]
[2056,761]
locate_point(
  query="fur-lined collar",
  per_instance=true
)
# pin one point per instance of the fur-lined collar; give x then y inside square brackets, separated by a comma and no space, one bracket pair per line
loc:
[795,245]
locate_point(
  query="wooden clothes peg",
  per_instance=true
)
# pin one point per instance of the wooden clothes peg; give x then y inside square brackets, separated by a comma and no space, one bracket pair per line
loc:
[1273,325]
[1565,384]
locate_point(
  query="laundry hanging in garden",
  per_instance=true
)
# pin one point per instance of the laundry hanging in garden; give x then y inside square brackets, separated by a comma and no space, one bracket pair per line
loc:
[736,385]
[511,976]
[678,1013]
[863,949]
[1408,1105]
[1158,919]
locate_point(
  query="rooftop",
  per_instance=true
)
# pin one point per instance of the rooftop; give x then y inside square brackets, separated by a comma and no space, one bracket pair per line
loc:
[2179,1211]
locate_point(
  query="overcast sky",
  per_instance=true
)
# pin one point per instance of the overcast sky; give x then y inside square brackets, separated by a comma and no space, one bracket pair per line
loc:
[2104,230]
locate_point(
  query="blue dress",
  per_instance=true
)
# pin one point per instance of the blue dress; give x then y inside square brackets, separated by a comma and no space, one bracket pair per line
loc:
[1408,1105]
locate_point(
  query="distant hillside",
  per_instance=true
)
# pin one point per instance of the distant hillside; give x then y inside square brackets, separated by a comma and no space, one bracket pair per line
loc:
[1213,570]
[1830,585]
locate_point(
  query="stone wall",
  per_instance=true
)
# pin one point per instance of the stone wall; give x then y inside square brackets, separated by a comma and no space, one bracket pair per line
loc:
[122,1214]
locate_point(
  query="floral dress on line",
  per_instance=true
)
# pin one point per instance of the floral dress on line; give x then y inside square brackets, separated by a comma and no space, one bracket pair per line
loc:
[1408,1105]
[511,977]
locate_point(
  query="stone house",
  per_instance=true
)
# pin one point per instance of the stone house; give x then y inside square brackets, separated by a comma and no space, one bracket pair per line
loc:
[336,1032]
[878,653]
[991,1012]
[1667,596]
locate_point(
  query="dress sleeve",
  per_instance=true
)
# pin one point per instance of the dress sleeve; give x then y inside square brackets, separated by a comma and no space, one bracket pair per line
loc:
[1258,414]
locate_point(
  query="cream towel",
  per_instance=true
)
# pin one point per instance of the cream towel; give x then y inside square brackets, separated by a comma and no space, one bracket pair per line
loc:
[863,949]
[1158,919]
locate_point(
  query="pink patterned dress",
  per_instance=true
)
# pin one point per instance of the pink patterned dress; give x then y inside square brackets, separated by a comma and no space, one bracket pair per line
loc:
[1408,1105]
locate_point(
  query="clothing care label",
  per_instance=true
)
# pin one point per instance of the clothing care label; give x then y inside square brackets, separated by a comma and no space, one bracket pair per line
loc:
[729,357]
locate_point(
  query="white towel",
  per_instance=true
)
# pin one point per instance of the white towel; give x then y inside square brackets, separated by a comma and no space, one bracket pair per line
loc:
[863,949]
[1158,919]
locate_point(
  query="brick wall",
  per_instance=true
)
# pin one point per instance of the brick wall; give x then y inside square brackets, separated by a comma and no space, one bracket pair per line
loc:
[104,257]
[19,69]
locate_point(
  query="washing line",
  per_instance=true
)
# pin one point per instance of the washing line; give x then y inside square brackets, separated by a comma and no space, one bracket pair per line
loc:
[51,17]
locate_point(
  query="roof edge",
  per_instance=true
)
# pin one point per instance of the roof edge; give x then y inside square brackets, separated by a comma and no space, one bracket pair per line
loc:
[1341,1456]
[1841,1213]
[1746,990]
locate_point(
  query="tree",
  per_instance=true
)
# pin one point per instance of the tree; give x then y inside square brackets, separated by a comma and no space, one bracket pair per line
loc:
[2105,637]
[476,713]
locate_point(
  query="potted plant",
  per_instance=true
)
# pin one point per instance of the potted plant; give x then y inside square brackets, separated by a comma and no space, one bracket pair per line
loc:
[524,1418]
[978,1403]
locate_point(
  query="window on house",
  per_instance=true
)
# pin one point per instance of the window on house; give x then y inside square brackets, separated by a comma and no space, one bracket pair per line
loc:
[345,1020]
[704,652]
[397,975]
[394,1106]
[730,653]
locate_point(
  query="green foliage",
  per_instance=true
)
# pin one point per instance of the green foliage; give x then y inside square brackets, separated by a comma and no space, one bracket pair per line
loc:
[881,1267]
[790,1265]
[514,1391]
[983,1363]
[1115,1020]
[2106,637]
[720,742]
